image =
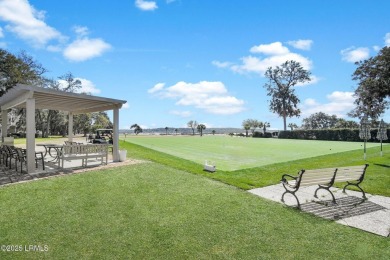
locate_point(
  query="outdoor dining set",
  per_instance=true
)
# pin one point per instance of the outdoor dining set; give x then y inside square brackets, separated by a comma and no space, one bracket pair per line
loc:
[9,153]
[14,157]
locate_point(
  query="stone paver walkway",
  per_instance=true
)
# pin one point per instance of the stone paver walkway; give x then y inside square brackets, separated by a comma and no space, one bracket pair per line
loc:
[372,215]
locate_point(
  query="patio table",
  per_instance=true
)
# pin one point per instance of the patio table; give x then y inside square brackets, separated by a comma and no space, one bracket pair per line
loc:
[48,147]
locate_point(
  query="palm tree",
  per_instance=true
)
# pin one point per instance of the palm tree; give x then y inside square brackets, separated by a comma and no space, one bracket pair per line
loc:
[201,127]
[247,127]
[213,132]
[292,126]
[137,129]
[265,125]
[176,131]
[166,130]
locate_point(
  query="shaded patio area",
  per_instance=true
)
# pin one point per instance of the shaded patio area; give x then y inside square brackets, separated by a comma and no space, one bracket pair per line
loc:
[32,98]
[10,175]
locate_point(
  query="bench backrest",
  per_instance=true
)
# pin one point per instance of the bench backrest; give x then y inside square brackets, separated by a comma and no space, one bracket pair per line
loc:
[318,176]
[351,173]
[85,149]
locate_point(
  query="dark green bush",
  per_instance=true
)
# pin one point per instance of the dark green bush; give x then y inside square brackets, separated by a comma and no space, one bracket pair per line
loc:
[350,135]
[257,134]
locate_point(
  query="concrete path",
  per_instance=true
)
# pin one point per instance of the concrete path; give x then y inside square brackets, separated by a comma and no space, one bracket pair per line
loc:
[371,215]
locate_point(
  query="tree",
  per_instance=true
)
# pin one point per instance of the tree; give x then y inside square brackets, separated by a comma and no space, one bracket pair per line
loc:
[213,132]
[166,130]
[253,124]
[101,120]
[82,123]
[175,131]
[342,123]
[18,69]
[200,128]
[247,127]
[292,126]
[69,83]
[373,91]
[282,79]
[193,125]
[319,120]
[137,129]
[265,125]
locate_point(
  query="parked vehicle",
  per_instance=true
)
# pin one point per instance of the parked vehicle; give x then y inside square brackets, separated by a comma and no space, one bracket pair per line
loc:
[102,136]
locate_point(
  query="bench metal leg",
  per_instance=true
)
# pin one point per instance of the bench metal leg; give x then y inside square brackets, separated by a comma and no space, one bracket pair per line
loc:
[325,188]
[292,193]
[356,185]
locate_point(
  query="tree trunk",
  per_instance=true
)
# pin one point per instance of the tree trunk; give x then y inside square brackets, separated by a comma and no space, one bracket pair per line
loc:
[284,118]
[48,123]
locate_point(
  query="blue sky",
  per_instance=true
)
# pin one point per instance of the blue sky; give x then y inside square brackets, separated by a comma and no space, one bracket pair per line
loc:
[181,60]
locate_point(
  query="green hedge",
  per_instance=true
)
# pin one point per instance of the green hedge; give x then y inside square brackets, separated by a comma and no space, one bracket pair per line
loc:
[351,135]
[261,135]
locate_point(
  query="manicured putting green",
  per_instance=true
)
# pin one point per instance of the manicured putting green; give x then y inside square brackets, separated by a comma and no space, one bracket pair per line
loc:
[234,153]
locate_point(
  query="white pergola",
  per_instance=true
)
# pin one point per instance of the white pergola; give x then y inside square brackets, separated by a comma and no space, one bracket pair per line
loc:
[31,98]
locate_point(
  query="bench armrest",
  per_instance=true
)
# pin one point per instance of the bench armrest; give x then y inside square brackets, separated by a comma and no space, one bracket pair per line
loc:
[284,180]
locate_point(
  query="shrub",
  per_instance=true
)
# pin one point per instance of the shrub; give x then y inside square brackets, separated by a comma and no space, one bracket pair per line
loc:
[350,135]
[257,134]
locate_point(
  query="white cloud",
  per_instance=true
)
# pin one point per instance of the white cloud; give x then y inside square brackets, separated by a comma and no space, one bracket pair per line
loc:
[87,86]
[156,88]
[387,39]
[211,97]
[181,113]
[85,48]
[125,106]
[301,44]
[353,54]
[274,54]
[258,65]
[275,48]
[310,102]
[146,5]
[376,48]
[340,103]
[27,22]
[81,30]
[221,64]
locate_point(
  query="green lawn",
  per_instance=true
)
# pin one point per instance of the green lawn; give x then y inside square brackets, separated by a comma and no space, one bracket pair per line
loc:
[232,153]
[376,181]
[152,211]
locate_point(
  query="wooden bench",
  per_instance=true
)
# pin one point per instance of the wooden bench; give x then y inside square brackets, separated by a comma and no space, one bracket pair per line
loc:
[324,178]
[83,152]
[353,175]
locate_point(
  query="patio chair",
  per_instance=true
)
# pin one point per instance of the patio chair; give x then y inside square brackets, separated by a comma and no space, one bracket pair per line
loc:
[22,159]
[9,153]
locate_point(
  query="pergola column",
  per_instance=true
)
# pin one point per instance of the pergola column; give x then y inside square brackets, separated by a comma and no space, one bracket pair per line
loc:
[70,126]
[4,123]
[30,136]
[115,138]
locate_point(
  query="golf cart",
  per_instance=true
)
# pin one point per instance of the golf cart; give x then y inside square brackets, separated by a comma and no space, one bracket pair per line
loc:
[102,136]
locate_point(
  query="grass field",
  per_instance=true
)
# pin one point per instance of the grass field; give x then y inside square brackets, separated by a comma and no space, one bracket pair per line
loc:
[167,209]
[230,153]
[152,211]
